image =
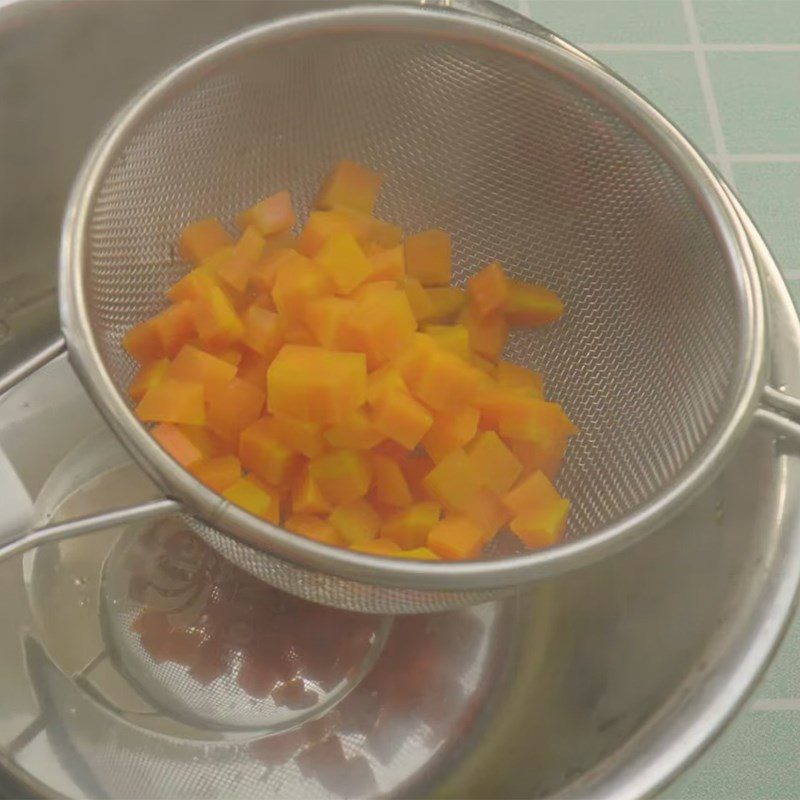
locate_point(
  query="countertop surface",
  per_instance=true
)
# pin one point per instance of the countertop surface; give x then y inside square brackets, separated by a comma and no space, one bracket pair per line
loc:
[727,72]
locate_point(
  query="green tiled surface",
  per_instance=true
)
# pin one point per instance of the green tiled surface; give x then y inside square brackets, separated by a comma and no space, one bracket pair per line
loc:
[772,193]
[748,21]
[649,21]
[670,82]
[758,95]
[750,50]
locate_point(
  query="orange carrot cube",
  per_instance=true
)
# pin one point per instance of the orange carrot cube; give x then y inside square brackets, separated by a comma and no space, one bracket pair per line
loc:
[530,305]
[263,331]
[273,214]
[370,232]
[497,465]
[446,302]
[193,364]
[209,444]
[455,538]
[419,553]
[143,343]
[487,511]
[534,493]
[488,290]
[545,456]
[350,185]
[299,436]
[487,335]
[450,431]
[428,257]
[238,268]
[390,485]
[193,284]
[253,496]
[202,239]
[298,280]
[454,481]
[147,377]
[342,475]
[401,418]
[307,497]
[343,261]
[233,407]
[218,473]
[231,355]
[377,547]
[382,326]
[384,379]
[513,376]
[316,385]
[177,444]
[542,527]
[173,401]
[262,452]
[356,521]
[321,226]
[483,364]
[452,338]
[389,264]
[174,327]
[216,320]
[253,368]
[410,526]
[421,304]
[328,319]
[534,420]
[355,432]
[314,528]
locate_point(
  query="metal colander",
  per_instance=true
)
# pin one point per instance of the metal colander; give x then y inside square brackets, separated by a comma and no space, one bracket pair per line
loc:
[526,151]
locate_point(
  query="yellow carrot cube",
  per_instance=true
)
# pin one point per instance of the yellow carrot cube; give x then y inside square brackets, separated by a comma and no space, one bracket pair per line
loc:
[273,214]
[534,493]
[446,302]
[262,452]
[173,401]
[487,335]
[409,527]
[389,482]
[488,290]
[237,269]
[543,527]
[298,281]
[456,538]
[356,432]
[344,262]
[342,475]
[312,527]
[307,497]
[350,185]
[147,377]
[253,496]
[216,320]
[428,257]
[202,239]
[401,418]
[329,320]
[495,462]
[421,304]
[377,547]
[356,521]
[531,305]
[450,431]
[515,377]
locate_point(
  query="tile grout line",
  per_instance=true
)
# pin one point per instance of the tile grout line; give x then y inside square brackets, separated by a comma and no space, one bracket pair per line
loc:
[708,91]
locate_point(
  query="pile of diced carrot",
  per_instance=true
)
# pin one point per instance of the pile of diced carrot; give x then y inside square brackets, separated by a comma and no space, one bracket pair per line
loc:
[336,384]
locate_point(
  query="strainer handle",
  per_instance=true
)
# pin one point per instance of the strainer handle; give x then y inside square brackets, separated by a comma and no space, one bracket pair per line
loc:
[781,412]
[16,533]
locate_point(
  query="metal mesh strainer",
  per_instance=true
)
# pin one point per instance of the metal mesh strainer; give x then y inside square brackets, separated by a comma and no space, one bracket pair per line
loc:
[524,149]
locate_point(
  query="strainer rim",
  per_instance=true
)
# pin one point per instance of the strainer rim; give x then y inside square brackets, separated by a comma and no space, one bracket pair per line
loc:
[549,52]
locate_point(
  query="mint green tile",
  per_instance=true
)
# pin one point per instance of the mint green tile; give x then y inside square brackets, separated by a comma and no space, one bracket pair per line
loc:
[794,291]
[754,759]
[758,95]
[771,193]
[670,82]
[613,21]
[748,21]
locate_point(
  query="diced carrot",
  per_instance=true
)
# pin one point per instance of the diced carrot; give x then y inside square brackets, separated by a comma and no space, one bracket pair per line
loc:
[382,326]
[515,377]
[231,355]
[174,327]
[193,364]
[454,481]
[453,338]
[350,185]
[233,407]
[428,257]
[342,475]
[543,527]
[262,452]
[299,436]
[216,320]
[177,444]
[446,302]
[487,335]
[419,553]
[316,385]
[273,214]
[489,290]
[356,521]
[149,375]
[143,343]
[314,528]
[390,485]
[535,420]
[410,526]
[389,264]
[377,547]
[218,473]
[401,418]
[329,320]
[173,401]
[450,431]
[202,239]
[253,368]
[307,497]
[298,281]
[356,432]
[497,465]
[237,269]
[546,456]
[321,226]
[209,444]
[535,492]
[456,537]
[253,496]
[384,379]
[531,305]
[263,331]
[421,304]
[193,284]
[343,261]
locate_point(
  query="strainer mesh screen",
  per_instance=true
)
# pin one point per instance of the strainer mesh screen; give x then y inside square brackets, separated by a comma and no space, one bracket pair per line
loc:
[515,162]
